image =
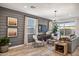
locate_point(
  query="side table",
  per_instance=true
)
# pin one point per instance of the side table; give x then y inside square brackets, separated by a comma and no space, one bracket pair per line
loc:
[61,48]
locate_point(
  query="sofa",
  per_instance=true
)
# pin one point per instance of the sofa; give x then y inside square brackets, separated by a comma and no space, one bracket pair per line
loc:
[73,44]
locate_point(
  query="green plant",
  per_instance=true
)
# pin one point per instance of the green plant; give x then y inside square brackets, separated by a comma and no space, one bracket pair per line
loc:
[4,41]
[55,29]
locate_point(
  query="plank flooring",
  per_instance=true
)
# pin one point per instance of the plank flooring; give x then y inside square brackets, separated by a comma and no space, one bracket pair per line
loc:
[40,51]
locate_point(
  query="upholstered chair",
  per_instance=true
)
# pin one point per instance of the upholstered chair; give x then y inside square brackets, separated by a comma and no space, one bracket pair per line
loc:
[37,43]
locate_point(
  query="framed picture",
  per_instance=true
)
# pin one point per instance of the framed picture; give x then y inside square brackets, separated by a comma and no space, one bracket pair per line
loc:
[12,21]
[12,32]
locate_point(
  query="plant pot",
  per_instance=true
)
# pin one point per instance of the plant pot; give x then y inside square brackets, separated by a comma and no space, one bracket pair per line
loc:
[3,48]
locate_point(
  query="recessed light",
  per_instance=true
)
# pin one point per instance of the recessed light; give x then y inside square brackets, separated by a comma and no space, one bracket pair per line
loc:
[25,6]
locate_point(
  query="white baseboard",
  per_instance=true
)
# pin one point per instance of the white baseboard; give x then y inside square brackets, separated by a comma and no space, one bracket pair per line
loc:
[29,44]
[16,46]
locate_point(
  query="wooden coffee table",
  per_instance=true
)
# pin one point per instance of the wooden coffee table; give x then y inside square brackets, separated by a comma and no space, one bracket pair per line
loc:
[61,47]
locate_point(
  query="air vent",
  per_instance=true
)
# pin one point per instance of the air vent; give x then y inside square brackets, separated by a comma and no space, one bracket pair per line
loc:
[32,7]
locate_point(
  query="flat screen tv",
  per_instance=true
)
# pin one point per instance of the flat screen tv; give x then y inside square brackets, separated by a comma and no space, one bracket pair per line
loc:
[42,28]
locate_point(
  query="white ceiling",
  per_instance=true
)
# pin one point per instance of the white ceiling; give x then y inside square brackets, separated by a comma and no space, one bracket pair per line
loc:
[46,10]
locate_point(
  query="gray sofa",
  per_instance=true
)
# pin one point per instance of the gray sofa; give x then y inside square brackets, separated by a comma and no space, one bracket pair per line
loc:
[73,44]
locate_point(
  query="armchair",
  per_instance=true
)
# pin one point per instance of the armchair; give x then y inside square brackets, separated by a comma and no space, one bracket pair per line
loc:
[37,43]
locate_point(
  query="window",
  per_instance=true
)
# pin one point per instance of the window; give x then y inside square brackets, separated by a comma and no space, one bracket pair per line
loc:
[31,25]
[67,27]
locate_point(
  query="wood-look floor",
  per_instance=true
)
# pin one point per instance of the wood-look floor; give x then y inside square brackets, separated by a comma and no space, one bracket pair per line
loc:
[40,51]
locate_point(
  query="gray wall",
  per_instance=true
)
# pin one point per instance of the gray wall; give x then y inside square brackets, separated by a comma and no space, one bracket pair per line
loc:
[4,13]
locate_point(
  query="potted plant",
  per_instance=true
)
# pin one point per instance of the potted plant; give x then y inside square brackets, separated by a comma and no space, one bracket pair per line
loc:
[55,30]
[4,44]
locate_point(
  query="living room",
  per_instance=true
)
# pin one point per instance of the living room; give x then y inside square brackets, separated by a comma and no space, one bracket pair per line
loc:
[36,27]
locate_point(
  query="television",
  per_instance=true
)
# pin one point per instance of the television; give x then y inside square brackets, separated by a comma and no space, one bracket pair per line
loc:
[42,28]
